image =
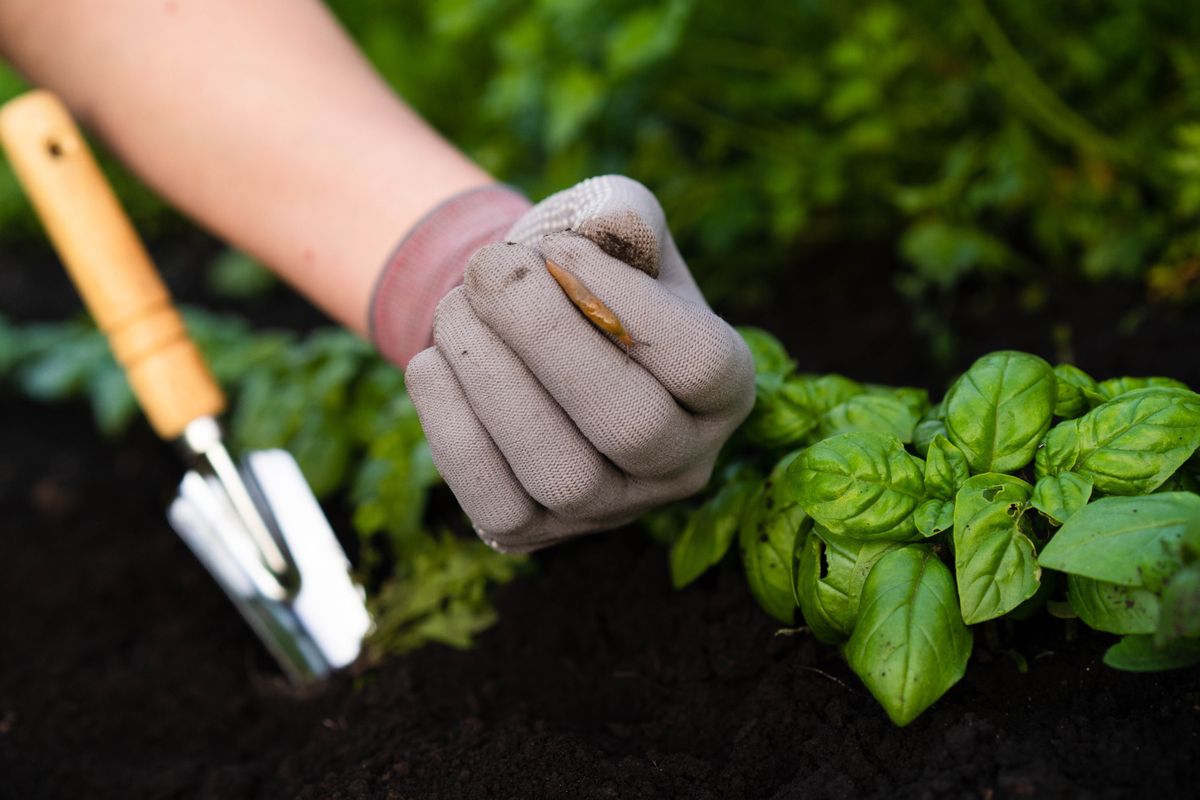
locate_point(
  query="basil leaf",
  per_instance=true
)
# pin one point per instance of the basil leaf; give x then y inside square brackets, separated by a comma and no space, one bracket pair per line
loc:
[869,412]
[1132,444]
[945,468]
[934,516]
[1115,387]
[767,541]
[1060,496]
[981,492]
[768,353]
[994,559]
[777,419]
[914,399]
[1139,654]
[1180,615]
[1131,541]
[999,410]
[909,644]
[711,528]
[822,591]
[932,424]
[829,579]
[1059,451]
[1077,392]
[860,484]
[1112,608]
[820,394]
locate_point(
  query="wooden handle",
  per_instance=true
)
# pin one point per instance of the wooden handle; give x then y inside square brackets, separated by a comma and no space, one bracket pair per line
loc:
[108,263]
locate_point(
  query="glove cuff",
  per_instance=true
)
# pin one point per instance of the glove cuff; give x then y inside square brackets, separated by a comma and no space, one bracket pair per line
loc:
[430,261]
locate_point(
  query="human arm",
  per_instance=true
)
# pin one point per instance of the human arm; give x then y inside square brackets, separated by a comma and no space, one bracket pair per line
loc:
[261,120]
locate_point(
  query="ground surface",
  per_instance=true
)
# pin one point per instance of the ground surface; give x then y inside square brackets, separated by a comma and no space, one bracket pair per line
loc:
[125,673]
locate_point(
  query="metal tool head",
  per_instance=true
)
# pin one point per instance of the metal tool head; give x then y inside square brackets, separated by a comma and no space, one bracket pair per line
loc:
[308,611]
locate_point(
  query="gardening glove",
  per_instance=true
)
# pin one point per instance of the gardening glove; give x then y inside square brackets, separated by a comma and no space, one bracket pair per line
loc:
[543,425]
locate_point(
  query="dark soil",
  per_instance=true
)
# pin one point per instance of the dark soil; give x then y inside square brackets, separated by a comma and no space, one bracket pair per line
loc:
[125,673]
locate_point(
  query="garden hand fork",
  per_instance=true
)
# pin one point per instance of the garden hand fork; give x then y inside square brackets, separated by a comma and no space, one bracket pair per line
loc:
[256,526]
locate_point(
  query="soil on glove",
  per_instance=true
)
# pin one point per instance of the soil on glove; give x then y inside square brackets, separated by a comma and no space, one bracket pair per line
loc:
[125,673]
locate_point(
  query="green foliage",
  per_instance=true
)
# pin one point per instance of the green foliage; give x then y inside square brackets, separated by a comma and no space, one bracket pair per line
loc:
[1111,607]
[860,481]
[1132,443]
[829,580]
[909,643]
[848,501]
[344,414]
[1143,654]
[1130,541]
[235,275]
[1026,136]
[999,409]
[711,530]
[1060,496]
[766,540]
[995,562]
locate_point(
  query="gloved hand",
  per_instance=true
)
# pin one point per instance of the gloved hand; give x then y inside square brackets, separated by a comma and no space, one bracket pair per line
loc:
[542,425]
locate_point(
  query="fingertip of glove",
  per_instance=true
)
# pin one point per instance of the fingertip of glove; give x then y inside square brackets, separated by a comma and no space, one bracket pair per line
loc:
[498,267]
[625,235]
[421,370]
[570,248]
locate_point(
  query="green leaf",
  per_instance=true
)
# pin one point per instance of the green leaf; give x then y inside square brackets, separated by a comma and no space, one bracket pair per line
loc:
[1060,496]
[870,412]
[933,423]
[994,559]
[1115,387]
[946,468]
[1059,451]
[1132,444]
[576,95]
[442,597]
[113,403]
[710,530]
[1077,392]
[645,36]
[999,410]
[981,492]
[909,644]
[934,516]
[768,353]
[767,542]
[943,253]
[1112,608]
[829,578]
[778,420]
[1131,541]
[860,484]
[916,399]
[1180,616]
[1140,654]
[235,275]
[820,394]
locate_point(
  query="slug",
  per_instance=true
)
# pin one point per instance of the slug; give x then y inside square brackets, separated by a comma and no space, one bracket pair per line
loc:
[592,306]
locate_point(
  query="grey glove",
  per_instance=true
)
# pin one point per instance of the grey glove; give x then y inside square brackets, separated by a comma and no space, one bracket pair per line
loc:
[541,424]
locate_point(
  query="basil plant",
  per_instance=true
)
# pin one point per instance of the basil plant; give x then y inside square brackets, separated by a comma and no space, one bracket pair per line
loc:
[890,526]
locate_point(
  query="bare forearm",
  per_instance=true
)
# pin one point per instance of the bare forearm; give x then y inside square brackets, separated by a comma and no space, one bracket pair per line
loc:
[259,119]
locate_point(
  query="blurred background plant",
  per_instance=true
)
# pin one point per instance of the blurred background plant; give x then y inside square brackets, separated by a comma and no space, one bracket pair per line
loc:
[1039,139]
